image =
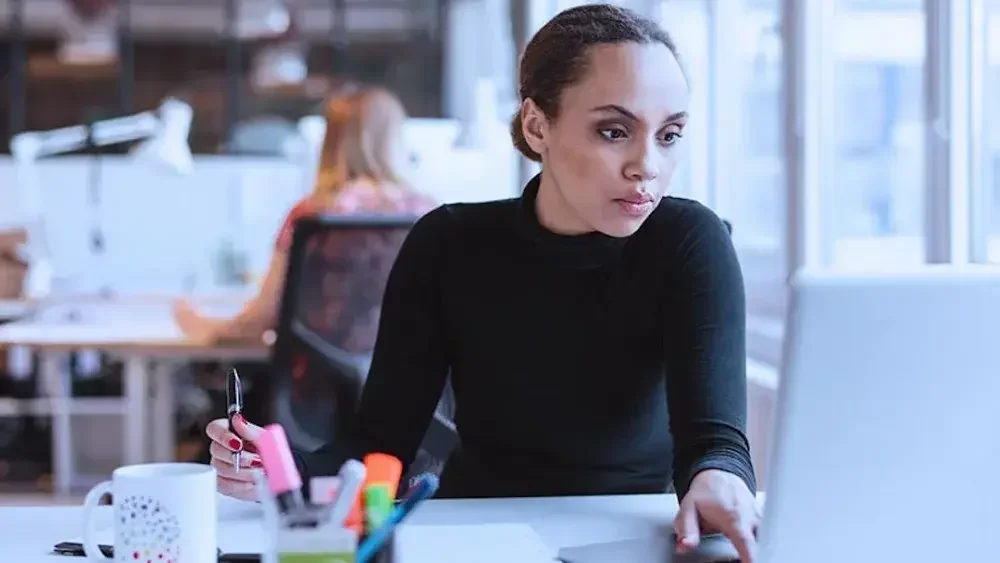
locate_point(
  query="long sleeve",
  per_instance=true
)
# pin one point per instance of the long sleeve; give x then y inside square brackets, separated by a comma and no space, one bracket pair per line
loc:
[410,361]
[706,352]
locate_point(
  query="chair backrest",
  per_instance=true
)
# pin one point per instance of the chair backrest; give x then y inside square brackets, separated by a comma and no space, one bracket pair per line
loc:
[337,271]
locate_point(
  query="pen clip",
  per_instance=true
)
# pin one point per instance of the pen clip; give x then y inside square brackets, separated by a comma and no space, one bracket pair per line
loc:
[234,393]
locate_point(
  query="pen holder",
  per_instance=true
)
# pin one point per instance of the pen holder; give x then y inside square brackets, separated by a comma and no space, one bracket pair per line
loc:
[326,543]
[322,544]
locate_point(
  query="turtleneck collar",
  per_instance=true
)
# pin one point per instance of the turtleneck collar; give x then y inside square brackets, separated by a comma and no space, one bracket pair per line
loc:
[590,250]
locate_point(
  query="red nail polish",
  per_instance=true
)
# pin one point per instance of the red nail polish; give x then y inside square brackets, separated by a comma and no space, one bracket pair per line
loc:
[235,444]
[256,463]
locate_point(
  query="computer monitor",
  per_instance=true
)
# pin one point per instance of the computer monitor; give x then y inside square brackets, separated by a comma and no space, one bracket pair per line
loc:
[888,426]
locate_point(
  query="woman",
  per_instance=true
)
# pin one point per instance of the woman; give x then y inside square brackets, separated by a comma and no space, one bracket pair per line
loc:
[593,329]
[359,172]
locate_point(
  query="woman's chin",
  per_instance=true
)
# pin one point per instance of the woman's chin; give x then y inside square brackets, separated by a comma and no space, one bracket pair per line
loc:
[622,228]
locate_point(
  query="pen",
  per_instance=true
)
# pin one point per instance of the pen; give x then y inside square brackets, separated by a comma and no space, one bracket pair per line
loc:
[423,489]
[234,397]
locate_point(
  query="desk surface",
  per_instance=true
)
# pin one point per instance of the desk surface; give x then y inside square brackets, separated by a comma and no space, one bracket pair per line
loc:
[27,534]
[14,308]
[126,324]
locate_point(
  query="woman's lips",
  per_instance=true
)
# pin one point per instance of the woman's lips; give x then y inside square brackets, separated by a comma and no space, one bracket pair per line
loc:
[635,207]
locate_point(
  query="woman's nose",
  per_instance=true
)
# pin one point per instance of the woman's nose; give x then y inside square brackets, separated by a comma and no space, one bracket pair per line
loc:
[644,166]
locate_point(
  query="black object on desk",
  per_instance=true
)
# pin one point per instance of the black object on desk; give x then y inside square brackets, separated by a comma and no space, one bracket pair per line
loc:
[75,549]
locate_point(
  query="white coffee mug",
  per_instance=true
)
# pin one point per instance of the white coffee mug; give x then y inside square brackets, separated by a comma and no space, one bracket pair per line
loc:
[163,513]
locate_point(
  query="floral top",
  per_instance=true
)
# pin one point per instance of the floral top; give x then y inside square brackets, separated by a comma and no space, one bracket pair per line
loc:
[358,197]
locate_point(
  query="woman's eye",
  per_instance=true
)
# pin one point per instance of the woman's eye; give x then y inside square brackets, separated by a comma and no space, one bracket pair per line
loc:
[671,138]
[612,134]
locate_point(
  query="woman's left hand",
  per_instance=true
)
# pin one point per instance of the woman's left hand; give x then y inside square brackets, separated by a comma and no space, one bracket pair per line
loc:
[718,502]
[193,324]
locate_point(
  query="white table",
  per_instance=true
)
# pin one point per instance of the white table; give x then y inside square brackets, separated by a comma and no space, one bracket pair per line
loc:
[27,534]
[14,308]
[141,332]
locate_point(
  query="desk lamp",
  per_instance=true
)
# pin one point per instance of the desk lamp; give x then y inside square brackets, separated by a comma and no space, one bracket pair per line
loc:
[165,132]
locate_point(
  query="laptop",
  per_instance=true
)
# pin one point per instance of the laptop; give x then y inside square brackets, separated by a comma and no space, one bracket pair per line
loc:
[888,432]
[888,425]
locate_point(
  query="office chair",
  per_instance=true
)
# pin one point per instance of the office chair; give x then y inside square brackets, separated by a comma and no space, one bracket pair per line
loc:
[337,271]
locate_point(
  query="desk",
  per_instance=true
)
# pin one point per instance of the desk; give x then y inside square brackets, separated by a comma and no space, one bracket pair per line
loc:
[11,309]
[27,534]
[141,332]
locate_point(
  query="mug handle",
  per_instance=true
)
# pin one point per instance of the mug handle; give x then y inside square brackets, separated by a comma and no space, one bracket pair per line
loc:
[91,549]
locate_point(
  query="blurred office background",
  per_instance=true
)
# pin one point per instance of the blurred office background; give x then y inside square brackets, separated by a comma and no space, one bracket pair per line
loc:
[859,133]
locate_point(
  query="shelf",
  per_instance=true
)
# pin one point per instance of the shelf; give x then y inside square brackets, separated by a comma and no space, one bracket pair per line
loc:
[75,406]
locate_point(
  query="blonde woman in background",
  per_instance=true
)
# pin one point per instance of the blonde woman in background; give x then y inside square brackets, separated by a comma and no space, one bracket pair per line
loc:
[360,172]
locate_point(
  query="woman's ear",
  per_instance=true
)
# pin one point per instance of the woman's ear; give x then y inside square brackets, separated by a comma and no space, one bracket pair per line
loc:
[534,126]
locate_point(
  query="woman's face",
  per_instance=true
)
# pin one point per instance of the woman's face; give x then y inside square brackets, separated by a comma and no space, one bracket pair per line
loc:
[610,154]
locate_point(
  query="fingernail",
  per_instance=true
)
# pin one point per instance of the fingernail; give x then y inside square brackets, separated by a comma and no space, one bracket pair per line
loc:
[256,463]
[235,444]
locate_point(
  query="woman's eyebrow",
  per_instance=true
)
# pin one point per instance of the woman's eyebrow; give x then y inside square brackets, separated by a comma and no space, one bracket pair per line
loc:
[626,113]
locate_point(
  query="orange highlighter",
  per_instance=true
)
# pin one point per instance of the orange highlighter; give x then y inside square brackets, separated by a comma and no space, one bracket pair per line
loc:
[380,469]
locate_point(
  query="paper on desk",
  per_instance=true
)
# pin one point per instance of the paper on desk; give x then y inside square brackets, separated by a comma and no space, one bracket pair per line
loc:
[474,543]
[653,549]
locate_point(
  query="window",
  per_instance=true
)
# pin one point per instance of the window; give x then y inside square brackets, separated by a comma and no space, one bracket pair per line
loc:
[687,21]
[877,141]
[991,129]
[567,4]
[748,170]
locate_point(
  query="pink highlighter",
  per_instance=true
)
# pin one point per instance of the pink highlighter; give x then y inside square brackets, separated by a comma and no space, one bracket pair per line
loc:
[283,477]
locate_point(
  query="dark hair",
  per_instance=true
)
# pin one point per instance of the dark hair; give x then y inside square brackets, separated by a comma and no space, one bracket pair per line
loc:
[556,57]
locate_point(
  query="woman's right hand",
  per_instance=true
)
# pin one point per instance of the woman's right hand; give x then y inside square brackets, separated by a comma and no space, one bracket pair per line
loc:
[224,444]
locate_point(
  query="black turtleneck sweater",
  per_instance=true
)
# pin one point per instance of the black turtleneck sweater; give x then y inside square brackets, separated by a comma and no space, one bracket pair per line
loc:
[580,364]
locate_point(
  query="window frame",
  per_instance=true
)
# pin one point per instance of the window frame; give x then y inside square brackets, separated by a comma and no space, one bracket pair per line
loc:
[981,159]
[950,179]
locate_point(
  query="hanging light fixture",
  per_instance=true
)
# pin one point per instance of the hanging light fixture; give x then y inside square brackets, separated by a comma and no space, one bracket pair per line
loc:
[281,59]
[262,19]
[89,35]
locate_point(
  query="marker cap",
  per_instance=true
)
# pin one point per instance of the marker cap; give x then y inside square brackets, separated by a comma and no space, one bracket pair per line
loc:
[383,469]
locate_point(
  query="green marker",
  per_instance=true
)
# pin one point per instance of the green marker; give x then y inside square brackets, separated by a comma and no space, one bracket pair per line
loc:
[378,505]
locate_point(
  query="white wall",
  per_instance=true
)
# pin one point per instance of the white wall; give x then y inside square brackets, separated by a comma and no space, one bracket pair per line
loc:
[161,229]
